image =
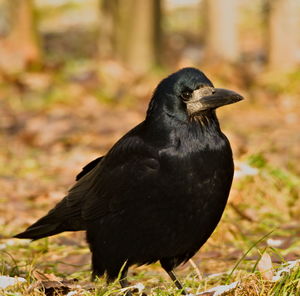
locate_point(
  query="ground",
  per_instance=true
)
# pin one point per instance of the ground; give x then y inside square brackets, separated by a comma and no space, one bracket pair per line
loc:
[51,129]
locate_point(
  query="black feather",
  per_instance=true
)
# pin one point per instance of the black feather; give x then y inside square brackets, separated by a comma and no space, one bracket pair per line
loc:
[88,167]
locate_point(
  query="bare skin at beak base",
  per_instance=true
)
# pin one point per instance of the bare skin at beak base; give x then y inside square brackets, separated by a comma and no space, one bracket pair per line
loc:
[220,97]
[211,98]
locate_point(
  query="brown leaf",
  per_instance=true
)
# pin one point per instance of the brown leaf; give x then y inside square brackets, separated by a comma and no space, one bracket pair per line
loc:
[52,284]
[40,276]
[265,267]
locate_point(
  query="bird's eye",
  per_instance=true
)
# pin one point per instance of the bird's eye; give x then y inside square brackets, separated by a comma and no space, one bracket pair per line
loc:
[186,94]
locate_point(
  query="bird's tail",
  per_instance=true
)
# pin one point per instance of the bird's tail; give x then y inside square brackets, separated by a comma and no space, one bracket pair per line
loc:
[39,230]
[59,219]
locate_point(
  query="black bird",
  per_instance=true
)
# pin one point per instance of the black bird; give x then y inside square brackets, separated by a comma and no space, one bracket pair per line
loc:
[160,191]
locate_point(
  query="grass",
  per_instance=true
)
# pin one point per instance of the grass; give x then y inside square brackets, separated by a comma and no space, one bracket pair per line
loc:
[249,284]
[273,193]
[21,259]
[262,214]
[288,285]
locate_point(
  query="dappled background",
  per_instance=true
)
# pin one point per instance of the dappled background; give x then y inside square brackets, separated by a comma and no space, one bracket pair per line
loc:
[75,75]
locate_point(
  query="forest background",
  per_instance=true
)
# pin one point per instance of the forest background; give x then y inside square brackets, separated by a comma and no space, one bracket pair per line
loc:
[76,75]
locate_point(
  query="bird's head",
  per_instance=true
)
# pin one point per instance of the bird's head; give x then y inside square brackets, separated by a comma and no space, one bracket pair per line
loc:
[188,93]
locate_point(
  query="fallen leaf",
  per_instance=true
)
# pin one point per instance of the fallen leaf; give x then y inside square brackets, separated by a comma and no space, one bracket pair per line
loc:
[265,266]
[40,276]
[6,281]
[51,284]
[219,290]
[286,268]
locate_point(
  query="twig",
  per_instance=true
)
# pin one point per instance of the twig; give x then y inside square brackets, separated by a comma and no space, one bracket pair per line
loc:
[191,261]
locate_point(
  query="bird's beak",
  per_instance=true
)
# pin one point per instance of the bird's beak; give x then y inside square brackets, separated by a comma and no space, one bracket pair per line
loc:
[213,98]
[220,97]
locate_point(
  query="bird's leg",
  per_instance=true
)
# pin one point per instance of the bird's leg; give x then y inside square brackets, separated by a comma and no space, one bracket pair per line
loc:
[176,282]
[124,282]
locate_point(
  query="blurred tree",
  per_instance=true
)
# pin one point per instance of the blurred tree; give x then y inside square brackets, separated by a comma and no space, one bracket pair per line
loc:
[131,32]
[19,47]
[221,30]
[283,33]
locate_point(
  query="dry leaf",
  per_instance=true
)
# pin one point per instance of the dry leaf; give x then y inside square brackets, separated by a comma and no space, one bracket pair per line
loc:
[40,276]
[265,267]
[52,284]
[219,290]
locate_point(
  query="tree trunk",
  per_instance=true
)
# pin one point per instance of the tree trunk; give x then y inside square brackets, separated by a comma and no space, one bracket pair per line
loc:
[130,32]
[283,34]
[108,26]
[221,32]
[19,46]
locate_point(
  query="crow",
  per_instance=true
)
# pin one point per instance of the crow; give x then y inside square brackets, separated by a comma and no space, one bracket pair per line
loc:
[160,191]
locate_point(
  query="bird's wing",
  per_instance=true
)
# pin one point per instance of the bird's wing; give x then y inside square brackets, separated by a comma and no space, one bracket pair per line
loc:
[123,176]
[88,167]
[108,184]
